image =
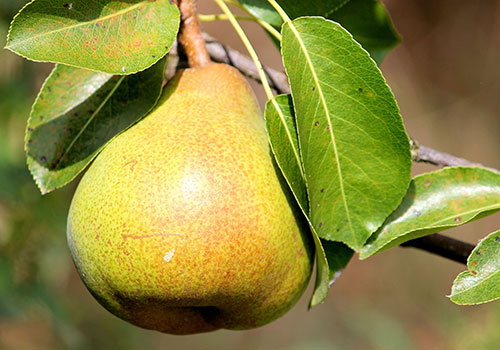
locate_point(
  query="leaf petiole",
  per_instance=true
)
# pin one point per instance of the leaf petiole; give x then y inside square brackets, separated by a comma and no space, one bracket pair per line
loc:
[248,46]
[223,16]
[280,11]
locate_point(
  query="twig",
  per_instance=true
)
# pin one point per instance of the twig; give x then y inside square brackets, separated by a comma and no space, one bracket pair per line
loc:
[443,246]
[222,53]
[425,154]
[273,31]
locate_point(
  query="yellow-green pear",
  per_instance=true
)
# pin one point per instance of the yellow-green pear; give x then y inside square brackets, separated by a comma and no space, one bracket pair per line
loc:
[183,224]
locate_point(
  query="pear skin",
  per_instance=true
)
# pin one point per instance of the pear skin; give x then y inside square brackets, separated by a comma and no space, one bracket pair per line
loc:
[183,223]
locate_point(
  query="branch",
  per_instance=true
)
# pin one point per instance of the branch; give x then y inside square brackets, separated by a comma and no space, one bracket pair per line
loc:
[222,53]
[425,154]
[443,246]
[437,244]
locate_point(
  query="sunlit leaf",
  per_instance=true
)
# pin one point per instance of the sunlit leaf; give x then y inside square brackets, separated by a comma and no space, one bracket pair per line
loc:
[331,257]
[283,138]
[77,112]
[118,37]
[282,132]
[481,283]
[437,201]
[355,151]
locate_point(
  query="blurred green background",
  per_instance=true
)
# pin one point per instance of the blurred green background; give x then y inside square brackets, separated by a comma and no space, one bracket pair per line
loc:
[446,78]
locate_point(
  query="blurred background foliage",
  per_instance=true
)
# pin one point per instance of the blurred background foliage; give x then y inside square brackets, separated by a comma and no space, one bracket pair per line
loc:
[446,78]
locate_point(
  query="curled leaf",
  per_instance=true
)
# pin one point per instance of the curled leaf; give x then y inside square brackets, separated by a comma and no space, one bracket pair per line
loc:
[481,283]
[437,201]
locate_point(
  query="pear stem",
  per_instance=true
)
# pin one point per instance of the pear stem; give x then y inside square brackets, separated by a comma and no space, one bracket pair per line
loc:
[223,16]
[190,35]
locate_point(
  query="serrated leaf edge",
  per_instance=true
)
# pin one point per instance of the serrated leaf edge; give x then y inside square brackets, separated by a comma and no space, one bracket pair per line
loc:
[46,189]
[169,46]
[81,24]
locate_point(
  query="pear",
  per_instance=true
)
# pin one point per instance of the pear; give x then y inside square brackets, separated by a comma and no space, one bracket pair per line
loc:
[183,223]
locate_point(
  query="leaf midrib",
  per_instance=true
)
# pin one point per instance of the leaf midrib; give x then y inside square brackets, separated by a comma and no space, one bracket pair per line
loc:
[479,210]
[80,24]
[325,107]
[479,282]
[436,225]
[289,136]
[92,117]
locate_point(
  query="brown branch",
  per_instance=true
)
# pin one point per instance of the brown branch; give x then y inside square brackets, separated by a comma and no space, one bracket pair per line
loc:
[222,53]
[437,244]
[443,246]
[425,154]
[190,35]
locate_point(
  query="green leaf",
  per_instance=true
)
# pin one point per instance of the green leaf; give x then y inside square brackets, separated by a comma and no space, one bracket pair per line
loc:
[283,138]
[284,144]
[481,283]
[338,256]
[77,112]
[325,8]
[262,10]
[367,20]
[437,201]
[280,123]
[355,151]
[118,37]
[370,24]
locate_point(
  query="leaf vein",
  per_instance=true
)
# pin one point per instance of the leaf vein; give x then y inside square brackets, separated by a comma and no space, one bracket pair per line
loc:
[81,24]
[325,107]
[98,109]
